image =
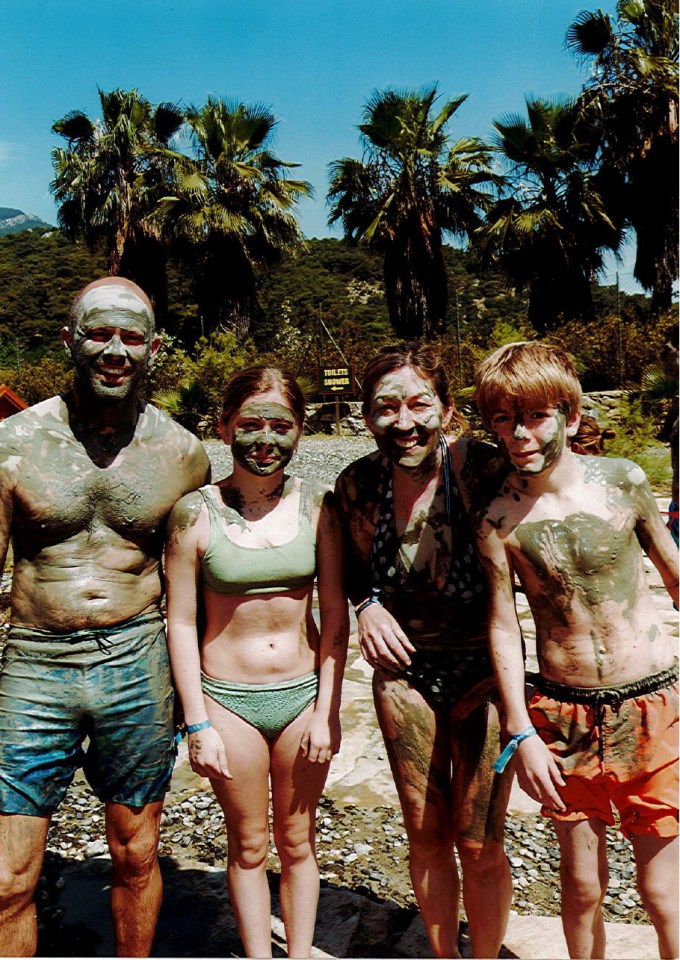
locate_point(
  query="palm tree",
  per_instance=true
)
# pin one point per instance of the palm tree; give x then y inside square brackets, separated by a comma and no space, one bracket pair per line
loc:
[108,180]
[632,98]
[550,227]
[412,186]
[230,209]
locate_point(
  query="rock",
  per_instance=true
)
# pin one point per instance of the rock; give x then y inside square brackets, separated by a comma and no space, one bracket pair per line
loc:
[95,848]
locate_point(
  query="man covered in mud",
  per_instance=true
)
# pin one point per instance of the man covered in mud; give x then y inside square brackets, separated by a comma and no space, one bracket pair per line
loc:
[87,482]
[601,727]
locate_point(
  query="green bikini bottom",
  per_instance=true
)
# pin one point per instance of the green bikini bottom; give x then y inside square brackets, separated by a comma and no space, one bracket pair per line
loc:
[269,707]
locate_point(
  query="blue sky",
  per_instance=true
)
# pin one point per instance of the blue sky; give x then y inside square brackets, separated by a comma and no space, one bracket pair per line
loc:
[313,62]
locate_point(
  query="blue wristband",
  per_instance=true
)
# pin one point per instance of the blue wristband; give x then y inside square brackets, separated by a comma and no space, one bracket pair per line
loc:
[195,727]
[192,728]
[365,603]
[510,748]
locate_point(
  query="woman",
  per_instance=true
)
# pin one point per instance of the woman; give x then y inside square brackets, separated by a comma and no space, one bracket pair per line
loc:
[420,598]
[260,688]
[590,437]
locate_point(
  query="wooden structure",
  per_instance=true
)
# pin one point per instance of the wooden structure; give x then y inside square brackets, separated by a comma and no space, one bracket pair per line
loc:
[9,402]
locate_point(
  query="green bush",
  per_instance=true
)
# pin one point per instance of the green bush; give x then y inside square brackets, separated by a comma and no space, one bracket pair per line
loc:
[38,380]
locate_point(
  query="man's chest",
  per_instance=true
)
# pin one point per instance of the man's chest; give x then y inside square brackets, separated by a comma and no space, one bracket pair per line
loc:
[64,492]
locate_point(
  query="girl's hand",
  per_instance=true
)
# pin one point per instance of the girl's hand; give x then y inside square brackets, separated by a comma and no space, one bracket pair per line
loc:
[321,739]
[207,755]
[383,643]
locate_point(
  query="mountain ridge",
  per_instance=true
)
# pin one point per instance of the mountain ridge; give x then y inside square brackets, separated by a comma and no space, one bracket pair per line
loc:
[13,220]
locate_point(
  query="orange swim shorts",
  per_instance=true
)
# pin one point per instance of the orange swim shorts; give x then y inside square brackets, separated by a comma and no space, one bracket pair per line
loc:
[616,745]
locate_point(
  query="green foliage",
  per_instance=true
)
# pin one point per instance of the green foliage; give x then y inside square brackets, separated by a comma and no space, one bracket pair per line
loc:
[612,352]
[550,227]
[228,207]
[109,180]
[40,273]
[637,440]
[413,186]
[191,389]
[37,380]
[630,103]
[331,279]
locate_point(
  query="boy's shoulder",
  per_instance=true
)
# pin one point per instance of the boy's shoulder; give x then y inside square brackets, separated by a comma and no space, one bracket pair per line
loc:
[612,471]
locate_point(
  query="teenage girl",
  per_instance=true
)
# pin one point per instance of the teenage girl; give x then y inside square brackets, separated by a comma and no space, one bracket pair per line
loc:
[260,684]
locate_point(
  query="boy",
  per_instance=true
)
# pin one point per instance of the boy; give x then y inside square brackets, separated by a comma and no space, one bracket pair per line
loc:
[606,701]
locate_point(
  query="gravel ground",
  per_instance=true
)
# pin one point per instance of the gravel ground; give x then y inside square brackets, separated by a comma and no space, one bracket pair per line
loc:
[317,458]
[360,849]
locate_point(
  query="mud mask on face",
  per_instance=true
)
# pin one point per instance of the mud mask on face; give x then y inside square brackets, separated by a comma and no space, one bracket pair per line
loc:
[551,446]
[406,419]
[264,438]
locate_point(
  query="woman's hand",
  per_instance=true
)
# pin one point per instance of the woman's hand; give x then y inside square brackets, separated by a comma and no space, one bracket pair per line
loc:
[321,739]
[383,643]
[207,755]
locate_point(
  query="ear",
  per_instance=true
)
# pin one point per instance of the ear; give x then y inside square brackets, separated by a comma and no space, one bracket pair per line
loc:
[155,344]
[573,423]
[368,421]
[66,339]
[224,431]
[447,414]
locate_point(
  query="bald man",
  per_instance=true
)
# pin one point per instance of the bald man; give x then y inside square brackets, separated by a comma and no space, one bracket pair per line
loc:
[87,481]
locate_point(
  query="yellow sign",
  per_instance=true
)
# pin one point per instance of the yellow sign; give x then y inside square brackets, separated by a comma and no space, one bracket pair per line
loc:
[336,380]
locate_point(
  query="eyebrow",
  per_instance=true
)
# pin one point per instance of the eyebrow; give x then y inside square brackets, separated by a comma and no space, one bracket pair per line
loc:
[260,416]
[394,396]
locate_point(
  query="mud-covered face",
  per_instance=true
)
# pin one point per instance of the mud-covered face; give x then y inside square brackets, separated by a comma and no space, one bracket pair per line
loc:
[263,434]
[406,418]
[533,439]
[112,343]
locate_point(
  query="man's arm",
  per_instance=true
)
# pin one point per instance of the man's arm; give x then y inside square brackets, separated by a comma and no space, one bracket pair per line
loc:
[537,771]
[9,465]
[198,469]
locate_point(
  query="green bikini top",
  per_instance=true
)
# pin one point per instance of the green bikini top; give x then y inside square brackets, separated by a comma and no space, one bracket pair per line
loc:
[238,571]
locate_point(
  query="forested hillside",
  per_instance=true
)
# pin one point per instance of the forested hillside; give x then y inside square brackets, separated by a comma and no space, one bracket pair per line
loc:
[40,271]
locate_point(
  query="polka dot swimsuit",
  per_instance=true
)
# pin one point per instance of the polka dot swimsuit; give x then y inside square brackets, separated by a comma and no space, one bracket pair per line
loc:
[441,676]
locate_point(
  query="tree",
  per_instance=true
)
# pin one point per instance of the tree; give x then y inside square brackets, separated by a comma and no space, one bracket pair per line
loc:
[631,97]
[109,179]
[230,209]
[550,227]
[412,186]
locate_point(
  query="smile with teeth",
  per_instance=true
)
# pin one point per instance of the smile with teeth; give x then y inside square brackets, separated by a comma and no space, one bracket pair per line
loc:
[112,371]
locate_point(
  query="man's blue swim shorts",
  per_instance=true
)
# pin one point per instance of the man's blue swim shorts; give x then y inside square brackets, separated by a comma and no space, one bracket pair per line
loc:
[109,686]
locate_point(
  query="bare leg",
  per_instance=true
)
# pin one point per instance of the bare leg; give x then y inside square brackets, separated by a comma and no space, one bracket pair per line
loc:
[657,876]
[479,802]
[296,788]
[419,757]
[584,874]
[137,889]
[487,894]
[245,803]
[22,848]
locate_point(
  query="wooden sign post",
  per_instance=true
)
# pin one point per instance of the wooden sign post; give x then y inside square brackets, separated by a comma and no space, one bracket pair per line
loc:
[338,381]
